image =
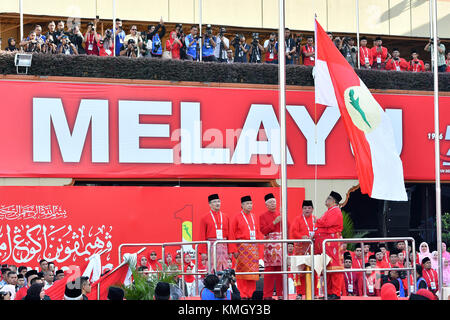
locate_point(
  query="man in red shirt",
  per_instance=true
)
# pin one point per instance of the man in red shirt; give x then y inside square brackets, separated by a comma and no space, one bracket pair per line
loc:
[352,284]
[447,62]
[430,275]
[173,44]
[416,65]
[367,253]
[308,52]
[330,226]
[380,54]
[365,56]
[245,227]
[270,227]
[215,225]
[397,63]
[303,228]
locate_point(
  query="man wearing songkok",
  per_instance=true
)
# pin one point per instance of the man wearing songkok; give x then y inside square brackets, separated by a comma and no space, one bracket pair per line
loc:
[270,227]
[245,227]
[330,226]
[304,227]
[430,275]
[215,225]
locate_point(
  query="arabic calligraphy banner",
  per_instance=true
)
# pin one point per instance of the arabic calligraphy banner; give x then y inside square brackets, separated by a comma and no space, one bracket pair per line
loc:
[66,225]
[96,130]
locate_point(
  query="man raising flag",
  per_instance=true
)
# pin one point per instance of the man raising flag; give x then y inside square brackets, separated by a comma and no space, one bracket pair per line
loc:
[379,168]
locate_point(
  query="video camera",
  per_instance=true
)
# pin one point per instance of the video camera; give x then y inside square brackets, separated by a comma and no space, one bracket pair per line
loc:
[236,40]
[225,278]
[255,38]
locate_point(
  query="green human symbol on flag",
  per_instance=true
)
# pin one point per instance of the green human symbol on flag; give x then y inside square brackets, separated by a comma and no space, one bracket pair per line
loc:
[355,104]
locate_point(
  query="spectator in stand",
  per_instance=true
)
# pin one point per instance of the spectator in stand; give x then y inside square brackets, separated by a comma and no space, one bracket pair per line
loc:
[91,39]
[271,49]
[348,50]
[106,45]
[397,63]
[330,35]
[241,49]
[59,33]
[173,45]
[191,43]
[447,62]
[308,52]
[11,45]
[31,45]
[133,48]
[222,46]
[156,39]
[416,65]
[51,30]
[230,58]
[427,67]
[430,275]
[120,36]
[181,36]
[76,37]
[440,54]
[290,46]
[365,56]
[66,47]
[380,54]
[351,279]
[39,36]
[208,45]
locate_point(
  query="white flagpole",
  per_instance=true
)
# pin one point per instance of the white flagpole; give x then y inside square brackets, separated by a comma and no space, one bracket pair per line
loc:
[21,19]
[200,30]
[357,32]
[437,149]
[282,108]
[114,26]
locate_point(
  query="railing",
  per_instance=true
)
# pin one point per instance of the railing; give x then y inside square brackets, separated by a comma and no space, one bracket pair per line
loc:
[272,272]
[371,240]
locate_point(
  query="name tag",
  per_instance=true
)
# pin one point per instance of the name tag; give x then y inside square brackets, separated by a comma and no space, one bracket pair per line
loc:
[67,52]
[412,288]
[287,49]
[433,285]
[120,40]
[366,60]
[252,235]
[350,288]
[311,234]
[91,47]
[378,59]
[108,52]
[397,68]
[370,287]
[271,56]
[219,234]
[311,58]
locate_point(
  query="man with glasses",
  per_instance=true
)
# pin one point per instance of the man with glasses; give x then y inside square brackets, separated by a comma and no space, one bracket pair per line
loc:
[330,226]
[137,40]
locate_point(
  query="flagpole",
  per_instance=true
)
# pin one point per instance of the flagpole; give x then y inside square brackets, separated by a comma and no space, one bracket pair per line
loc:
[282,108]
[21,19]
[437,150]
[357,31]
[114,27]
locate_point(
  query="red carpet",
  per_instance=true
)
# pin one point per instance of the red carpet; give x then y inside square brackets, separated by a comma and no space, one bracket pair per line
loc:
[292,297]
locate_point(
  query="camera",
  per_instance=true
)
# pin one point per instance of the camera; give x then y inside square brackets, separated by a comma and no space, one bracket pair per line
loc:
[225,278]
[255,36]
[208,31]
[108,34]
[236,40]
[222,30]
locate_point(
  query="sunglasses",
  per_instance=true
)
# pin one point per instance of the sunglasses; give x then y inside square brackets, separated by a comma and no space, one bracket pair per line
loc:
[153,254]
[133,29]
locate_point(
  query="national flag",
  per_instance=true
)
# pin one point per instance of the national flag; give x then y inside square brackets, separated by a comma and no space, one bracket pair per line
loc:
[56,291]
[117,278]
[378,164]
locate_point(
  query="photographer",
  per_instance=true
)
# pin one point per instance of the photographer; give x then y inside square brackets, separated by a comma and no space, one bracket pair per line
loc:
[38,37]
[76,37]
[49,46]
[298,48]
[380,54]
[130,50]
[31,45]
[241,48]
[416,65]
[209,45]
[222,46]
[66,47]
[271,49]
[223,288]
[180,36]
[174,45]
[120,36]
[440,54]
[137,43]
[255,49]
[191,43]
[155,38]
[397,63]
[348,50]
[91,38]
[290,46]
[59,33]
[106,45]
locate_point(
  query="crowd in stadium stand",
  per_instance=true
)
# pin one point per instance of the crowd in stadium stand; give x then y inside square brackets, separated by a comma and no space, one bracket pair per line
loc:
[215,47]
[25,283]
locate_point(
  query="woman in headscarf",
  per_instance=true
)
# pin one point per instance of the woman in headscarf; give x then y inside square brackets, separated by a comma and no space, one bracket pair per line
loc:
[435,260]
[153,263]
[445,253]
[424,251]
[446,275]
[142,261]
[35,292]
[11,45]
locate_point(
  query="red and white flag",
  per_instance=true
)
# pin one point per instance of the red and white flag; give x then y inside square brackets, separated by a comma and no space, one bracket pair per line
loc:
[56,291]
[378,164]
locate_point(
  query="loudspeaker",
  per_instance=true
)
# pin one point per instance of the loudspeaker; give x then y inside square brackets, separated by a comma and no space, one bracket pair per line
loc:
[397,218]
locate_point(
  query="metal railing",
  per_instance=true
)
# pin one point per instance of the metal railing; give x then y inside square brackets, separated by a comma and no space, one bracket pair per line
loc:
[215,243]
[372,240]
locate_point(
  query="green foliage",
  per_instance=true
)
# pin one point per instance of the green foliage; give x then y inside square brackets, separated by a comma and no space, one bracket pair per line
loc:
[349,231]
[446,228]
[143,287]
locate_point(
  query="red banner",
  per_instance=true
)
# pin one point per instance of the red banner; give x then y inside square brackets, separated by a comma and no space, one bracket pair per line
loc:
[96,130]
[68,224]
